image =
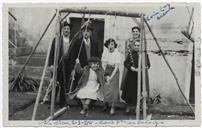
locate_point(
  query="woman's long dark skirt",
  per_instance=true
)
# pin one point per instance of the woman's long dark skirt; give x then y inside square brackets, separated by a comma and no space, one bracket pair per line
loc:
[129,94]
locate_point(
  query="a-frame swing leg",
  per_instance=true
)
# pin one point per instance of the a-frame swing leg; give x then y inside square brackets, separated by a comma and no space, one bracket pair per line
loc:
[56,55]
[43,75]
[139,80]
[41,84]
[144,92]
[147,63]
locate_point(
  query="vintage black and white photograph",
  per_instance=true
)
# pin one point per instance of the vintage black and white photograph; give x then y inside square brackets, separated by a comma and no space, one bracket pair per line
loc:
[101,64]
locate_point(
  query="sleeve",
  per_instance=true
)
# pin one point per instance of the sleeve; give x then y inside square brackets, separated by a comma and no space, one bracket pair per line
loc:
[127,63]
[79,69]
[101,76]
[147,61]
[126,49]
[104,55]
[99,49]
[117,57]
[52,51]
[73,54]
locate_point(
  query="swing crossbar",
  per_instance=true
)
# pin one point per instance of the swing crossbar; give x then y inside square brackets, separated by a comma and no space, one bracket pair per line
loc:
[101,12]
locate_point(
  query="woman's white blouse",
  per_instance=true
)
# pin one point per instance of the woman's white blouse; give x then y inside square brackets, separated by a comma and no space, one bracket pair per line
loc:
[111,58]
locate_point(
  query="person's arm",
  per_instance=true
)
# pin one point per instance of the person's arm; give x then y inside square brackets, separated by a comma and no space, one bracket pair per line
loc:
[73,54]
[128,64]
[147,61]
[78,68]
[114,71]
[51,56]
[99,49]
[104,62]
[101,77]
[126,49]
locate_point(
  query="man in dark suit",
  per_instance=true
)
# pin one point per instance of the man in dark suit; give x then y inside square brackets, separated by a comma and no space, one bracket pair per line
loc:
[84,48]
[63,71]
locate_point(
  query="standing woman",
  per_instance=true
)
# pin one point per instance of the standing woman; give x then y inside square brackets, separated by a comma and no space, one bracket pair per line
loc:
[111,60]
[129,91]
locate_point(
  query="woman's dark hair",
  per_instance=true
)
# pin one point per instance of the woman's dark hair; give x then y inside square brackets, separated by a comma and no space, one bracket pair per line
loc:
[136,27]
[107,42]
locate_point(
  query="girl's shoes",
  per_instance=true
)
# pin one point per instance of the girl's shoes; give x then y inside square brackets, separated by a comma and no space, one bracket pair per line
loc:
[83,111]
[105,108]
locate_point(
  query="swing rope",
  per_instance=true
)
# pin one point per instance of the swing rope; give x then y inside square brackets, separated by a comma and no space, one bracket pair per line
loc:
[73,74]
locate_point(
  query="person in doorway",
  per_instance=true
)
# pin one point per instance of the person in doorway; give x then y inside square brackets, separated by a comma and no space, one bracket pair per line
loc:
[84,48]
[63,71]
[90,84]
[111,60]
[129,89]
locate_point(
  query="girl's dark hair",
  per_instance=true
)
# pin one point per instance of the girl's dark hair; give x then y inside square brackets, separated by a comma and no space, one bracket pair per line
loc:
[107,42]
[136,27]
[94,59]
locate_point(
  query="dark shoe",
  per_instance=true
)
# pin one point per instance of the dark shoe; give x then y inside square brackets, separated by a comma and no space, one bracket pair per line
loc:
[61,105]
[46,102]
[105,108]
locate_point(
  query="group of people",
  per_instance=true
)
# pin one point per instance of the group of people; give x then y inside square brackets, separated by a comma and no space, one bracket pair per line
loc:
[94,71]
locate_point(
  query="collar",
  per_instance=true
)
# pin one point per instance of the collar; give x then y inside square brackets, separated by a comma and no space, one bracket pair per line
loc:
[65,39]
[87,41]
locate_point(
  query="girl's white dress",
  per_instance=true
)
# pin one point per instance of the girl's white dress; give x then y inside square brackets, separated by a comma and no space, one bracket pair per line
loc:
[90,91]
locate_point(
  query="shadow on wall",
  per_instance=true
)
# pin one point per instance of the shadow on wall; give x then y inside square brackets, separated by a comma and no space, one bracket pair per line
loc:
[166,27]
[162,81]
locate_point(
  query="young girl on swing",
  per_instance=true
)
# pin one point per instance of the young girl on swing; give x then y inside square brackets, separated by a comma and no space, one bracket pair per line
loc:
[90,83]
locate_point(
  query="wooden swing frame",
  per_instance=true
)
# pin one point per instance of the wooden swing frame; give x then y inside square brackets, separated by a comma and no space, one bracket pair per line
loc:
[141,65]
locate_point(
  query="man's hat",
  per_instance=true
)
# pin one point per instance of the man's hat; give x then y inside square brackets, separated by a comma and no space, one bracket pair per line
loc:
[87,26]
[65,23]
[94,59]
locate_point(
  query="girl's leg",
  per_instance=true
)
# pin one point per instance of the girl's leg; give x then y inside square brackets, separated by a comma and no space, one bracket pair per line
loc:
[83,104]
[86,105]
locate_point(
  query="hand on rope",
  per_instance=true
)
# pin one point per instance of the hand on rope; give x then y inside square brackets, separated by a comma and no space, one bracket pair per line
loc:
[73,72]
[133,69]
[77,61]
[51,68]
[108,79]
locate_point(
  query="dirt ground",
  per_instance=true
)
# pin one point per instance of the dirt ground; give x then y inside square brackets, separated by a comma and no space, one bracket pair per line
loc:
[17,112]
[94,114]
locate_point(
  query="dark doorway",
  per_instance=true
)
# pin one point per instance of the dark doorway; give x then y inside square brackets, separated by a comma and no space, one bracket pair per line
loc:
[98,29]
